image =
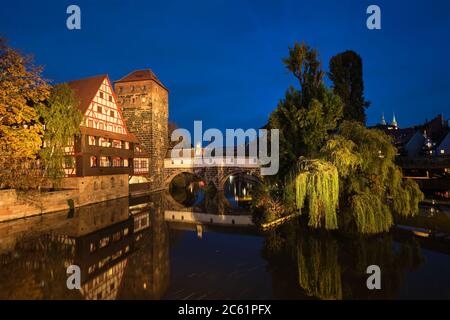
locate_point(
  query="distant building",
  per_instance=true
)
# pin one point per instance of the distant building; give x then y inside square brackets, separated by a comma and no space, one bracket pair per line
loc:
[444,147]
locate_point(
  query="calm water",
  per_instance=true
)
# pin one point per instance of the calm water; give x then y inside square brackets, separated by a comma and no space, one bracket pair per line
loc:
[157,248]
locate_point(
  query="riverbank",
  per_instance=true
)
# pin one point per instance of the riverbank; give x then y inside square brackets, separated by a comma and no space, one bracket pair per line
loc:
[75,192]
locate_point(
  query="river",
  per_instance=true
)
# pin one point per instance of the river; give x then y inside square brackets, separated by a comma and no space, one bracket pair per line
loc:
[156,247]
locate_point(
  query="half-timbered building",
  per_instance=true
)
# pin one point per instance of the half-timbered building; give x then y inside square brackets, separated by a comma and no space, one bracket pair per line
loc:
[105,146]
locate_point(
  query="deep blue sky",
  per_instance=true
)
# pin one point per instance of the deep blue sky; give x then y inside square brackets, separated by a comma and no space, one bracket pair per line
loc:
[221,60]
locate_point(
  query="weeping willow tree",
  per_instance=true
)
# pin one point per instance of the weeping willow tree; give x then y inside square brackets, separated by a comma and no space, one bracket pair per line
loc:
[317,184]
[373,189]
[346,177]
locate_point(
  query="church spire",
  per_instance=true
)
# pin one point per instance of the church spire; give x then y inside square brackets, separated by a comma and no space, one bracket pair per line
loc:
[394,121]
[383,120]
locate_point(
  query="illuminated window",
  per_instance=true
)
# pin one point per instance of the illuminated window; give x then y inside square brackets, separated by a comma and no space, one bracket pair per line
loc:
[442,151]
[127,145]
[92,141]
[119,129]
[117,163]
[104,142]
[101,126]
[125,163]
[93,161]
[103,242]
[104,162]
[110,127]
[117,144]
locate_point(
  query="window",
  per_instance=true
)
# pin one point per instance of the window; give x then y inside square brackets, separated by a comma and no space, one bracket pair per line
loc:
[110,99]
[90,124]
[119,129]
[116,236]
[104,142]
[92,141]
[125,163]
[117,163]
[133,100]
[93,161]
[112,113]
[101,126]
[144,163]
[127,145]
[117,144]
[69,162]
[104,162]
[110,127]
[99,109]
[104,242]
[101,95]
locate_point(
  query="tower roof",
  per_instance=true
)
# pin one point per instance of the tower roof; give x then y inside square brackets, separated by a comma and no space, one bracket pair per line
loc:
[383,121]
[394,121]
[86,89]
[140,75]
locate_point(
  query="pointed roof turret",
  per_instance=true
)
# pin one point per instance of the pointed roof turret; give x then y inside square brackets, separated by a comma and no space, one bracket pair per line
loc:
[394,121]
[383,120]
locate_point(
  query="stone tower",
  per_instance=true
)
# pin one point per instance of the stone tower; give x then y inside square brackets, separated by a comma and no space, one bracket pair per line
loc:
[144,102]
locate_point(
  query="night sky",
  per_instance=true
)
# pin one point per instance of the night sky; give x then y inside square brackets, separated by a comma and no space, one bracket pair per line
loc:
[221,60]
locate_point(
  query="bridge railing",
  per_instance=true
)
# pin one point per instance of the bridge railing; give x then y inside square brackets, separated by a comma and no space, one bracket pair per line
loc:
[201,162]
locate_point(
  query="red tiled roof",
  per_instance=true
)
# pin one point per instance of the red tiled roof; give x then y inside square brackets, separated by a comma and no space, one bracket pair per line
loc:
[139,75]
[85,89]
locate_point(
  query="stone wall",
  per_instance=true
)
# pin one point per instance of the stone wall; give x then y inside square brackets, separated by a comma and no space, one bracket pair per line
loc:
[81,190]
[145,107]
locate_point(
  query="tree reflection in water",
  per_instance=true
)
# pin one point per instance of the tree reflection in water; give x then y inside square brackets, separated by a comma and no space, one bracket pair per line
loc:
[332,267]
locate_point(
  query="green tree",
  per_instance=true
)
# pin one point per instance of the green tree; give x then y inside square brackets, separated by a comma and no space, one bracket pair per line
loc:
[355,185]
[22,92]
[346,72]
[306,116]
[62,120]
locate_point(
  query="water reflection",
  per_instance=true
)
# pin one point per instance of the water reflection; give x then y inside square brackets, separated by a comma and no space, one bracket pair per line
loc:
[156,248]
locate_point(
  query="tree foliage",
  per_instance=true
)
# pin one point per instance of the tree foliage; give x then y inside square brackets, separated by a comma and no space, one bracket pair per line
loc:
[22,92]
[62,120]
[306,116]
[317,182]
[346,73]
[340,174]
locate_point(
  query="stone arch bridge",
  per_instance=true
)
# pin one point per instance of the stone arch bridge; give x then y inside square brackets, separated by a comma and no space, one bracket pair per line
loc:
[211,170]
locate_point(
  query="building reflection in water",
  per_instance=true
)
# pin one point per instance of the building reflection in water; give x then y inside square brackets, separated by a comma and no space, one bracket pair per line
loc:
[122,251]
